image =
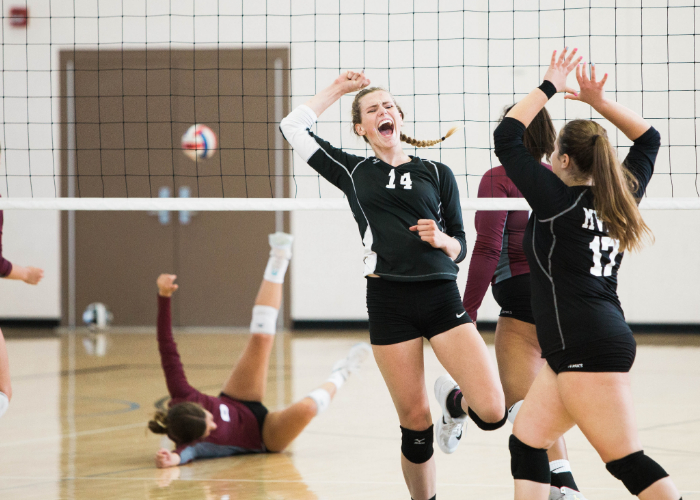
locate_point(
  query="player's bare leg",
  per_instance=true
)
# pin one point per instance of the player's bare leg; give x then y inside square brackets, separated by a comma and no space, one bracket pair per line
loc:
[248,379]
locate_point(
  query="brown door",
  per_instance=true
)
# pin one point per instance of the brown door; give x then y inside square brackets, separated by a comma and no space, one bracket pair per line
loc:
[131,109]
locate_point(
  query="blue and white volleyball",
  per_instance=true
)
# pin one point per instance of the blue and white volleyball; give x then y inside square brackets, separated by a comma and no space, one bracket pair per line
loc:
[199,142]
[97,316]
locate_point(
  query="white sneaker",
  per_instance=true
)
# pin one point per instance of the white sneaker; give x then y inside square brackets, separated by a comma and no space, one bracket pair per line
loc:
[555,493]
[281,245]
[448,430]
[569,494]
[352,362]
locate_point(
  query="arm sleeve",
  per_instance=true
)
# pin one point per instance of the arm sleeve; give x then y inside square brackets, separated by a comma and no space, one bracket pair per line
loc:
[332,163]
[5,265]
[543,190]
[641,158]
[452,209]
[175,378]
[187,454]
[487,249]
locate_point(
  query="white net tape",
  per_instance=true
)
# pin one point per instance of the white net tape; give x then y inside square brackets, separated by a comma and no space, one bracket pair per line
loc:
[277,204]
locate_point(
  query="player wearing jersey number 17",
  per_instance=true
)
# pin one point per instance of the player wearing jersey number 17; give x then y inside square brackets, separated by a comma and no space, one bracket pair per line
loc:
[498,258]
[584,215]
[410,222]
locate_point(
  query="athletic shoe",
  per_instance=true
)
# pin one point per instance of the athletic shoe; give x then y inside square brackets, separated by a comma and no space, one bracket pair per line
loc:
[448,430]
[555,493]
[352,362]
[281,245]
[569,494]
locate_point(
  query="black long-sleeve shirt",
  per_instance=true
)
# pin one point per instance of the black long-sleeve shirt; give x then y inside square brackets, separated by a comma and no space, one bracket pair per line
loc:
[573,262]
[386,201]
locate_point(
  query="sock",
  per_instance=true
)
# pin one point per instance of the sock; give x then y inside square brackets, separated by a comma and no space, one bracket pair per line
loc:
[337,378]
[454,404]
[276,268]
[561,474]
[322,399]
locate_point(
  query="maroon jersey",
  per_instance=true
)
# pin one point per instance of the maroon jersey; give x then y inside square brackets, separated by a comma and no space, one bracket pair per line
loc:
[498,251]
[237,429]
[5,265]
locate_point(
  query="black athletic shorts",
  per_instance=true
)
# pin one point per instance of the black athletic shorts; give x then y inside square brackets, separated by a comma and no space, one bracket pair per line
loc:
[406,310]
[258,409]
[513,295]
[615,354]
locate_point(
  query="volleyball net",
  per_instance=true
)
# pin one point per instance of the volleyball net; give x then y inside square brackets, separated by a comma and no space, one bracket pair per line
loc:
[100,99]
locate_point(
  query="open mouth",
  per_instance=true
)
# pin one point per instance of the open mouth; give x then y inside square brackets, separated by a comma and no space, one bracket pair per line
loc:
[386,128]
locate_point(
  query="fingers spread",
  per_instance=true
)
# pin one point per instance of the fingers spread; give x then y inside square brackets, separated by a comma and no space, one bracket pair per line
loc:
[593,72]
[605,79]
[554,58]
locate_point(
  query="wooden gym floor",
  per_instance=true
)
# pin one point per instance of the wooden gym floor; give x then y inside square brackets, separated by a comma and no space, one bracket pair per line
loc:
[76,425]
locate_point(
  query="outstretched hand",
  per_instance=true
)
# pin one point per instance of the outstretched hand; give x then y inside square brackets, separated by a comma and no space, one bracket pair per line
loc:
[560,67]
[352,81]
[166,285]
[165,458]
[591,92]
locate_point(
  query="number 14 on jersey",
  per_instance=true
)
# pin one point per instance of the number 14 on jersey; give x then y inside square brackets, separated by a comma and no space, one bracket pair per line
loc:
[405,180]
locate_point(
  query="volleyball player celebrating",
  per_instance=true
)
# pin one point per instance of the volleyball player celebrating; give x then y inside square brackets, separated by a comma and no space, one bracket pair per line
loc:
[410,221]
[584,215]
[236,422]
[498,259]
[32,276]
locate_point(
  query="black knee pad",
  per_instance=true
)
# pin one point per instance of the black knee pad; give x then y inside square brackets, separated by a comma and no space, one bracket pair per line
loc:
[528,463]
[486,426]
[417,446]
[636,471]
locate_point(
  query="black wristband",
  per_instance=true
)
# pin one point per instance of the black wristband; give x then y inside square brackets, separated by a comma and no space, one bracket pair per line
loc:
[548,88]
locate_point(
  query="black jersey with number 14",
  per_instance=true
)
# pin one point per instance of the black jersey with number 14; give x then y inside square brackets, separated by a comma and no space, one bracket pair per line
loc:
[573,262]
[386,201]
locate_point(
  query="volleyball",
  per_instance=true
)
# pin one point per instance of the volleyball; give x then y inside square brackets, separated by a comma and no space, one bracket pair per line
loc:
[199,142]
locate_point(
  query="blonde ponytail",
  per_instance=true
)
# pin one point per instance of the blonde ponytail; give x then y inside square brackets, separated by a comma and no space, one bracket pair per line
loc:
[427,144]
[586,142]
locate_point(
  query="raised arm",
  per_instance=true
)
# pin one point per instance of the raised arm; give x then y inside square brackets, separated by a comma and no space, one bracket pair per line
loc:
[543,190]
[348,81]
[175,378]
[592,93]
[642,155]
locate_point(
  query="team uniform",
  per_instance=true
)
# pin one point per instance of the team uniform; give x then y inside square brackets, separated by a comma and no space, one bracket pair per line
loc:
[573,261]
[416,294]
[498,256]
[238,423]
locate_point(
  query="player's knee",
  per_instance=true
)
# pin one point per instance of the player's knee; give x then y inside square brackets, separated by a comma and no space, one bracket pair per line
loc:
[490,419]
[636,471]
[528,463]
[417,446]
[264,320]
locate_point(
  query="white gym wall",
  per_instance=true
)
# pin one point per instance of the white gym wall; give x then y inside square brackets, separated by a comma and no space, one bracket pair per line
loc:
[657,286]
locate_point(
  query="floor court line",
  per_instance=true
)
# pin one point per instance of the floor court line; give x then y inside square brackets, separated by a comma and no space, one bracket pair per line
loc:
[70,435]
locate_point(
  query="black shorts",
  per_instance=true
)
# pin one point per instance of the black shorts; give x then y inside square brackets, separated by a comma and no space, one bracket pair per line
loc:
[513,295]
[406,310]
[256,407]
[615,354]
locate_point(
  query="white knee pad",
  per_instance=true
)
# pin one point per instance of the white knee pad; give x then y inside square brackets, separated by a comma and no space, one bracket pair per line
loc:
[513,411]
[4,403]
[322,399]
[264,320]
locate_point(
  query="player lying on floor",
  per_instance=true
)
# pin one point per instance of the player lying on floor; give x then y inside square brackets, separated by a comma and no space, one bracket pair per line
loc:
[236,422]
